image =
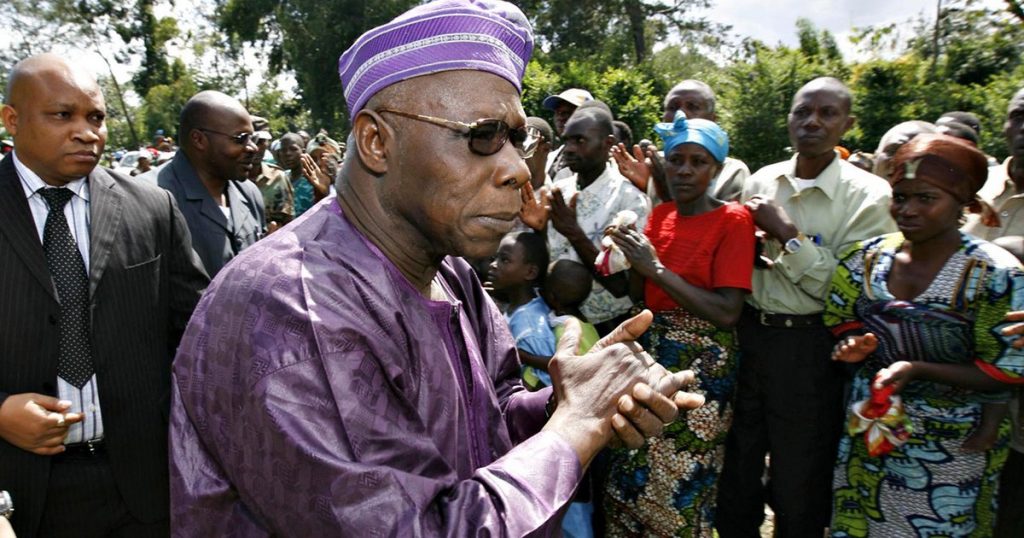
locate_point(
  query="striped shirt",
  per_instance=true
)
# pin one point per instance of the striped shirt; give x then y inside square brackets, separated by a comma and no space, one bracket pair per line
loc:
[84,400]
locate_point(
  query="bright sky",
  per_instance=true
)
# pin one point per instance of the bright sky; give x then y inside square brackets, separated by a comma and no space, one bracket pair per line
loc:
[769,21]
[775,21]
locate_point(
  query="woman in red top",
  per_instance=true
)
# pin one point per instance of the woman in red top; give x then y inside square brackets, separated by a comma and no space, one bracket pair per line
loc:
[695,262]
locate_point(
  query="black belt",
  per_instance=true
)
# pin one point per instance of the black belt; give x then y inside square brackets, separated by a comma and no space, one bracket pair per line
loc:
[784,321]
[88,448]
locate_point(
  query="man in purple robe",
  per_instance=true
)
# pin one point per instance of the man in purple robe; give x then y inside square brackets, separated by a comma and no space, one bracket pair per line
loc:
[348,376]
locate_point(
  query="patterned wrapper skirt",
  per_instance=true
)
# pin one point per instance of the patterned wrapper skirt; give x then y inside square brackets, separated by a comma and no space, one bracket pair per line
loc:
[668,487]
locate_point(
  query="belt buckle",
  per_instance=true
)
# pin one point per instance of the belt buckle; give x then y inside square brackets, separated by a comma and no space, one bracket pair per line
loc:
[762,316]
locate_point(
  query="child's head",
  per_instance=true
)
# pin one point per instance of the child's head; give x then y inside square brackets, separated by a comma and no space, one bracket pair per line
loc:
[521,261]
[568,284]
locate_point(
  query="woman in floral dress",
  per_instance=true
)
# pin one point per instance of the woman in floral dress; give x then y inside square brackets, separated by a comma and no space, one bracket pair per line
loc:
[693,264]
[923,309]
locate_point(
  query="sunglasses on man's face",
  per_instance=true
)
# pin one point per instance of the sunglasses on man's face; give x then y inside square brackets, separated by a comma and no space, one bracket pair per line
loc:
[486,136]
[243,139]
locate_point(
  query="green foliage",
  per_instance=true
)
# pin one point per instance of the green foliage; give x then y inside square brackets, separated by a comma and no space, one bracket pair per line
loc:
[154,33]
[163,102]
[118,133]
[757,92]
[676,63]
[880,96]
[308,36]
[630,93]
[285,113]
[978,66]
[608,33]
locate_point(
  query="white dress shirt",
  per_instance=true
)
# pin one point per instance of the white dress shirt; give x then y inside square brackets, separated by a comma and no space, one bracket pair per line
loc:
[85,400]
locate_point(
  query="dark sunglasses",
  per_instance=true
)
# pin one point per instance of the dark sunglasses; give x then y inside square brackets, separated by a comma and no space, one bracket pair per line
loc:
[486,136]
[243,139]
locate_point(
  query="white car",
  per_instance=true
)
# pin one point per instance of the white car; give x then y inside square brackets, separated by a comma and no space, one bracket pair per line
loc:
[127,163]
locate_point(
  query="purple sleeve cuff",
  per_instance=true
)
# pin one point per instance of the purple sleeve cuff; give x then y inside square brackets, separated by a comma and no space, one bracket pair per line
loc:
[525,414]
[540,476]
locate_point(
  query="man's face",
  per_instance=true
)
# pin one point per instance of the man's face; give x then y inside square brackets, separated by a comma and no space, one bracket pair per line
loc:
[58,125]
[261,150]
[586,145]
[290,153]
[1014,127]
[458,202]
[224,156]
[817,121]
[562,113]
[691,101]
[257,159]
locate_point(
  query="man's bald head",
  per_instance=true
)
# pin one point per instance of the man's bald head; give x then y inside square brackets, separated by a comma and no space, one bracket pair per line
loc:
[596,116]
[695,98]
[32,69]
[893,140]
[294,138]
[828,84]
[202,106]
[217,137]
[55,112]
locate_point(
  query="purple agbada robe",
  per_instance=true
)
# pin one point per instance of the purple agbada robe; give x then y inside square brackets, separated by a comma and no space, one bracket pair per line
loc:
[317,393]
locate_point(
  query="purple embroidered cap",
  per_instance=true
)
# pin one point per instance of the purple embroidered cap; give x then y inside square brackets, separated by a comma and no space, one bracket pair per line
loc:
[444,35]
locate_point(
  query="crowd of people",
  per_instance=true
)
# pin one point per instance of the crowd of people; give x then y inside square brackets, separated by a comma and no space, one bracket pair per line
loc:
[466,321]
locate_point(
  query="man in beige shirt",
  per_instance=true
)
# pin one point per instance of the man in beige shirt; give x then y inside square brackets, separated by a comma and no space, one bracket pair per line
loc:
[1004,190]
[790,395]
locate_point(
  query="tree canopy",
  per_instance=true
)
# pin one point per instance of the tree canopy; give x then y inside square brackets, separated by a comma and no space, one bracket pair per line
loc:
[628,53]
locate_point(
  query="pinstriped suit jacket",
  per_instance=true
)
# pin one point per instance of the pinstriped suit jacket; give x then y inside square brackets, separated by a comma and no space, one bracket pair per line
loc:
[145,280]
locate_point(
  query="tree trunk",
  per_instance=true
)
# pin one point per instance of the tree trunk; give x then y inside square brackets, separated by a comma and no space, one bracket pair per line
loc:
[635,13]
[935,39]
[1016,8]
[120,97]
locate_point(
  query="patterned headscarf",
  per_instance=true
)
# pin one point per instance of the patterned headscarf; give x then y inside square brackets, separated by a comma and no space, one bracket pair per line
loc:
[949,163]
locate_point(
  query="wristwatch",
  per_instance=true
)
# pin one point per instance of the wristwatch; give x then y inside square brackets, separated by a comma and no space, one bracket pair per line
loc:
[6,505]
[793,245]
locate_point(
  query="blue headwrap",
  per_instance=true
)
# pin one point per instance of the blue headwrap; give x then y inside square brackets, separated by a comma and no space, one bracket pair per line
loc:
[704,133]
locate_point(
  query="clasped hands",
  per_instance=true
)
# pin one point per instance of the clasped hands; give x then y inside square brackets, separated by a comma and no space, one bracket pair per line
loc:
[614,392]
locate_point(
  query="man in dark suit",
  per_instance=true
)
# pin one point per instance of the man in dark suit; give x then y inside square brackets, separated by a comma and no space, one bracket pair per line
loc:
[224,212]
[97,281]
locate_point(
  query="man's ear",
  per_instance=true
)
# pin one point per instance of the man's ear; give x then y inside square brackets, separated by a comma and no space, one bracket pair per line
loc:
[10,117]
[373,136]
[850,121]
[610,141]
[198,139]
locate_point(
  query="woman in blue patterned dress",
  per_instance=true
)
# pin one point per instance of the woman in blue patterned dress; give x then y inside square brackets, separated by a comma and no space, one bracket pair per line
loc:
[923,309]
